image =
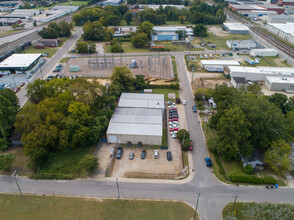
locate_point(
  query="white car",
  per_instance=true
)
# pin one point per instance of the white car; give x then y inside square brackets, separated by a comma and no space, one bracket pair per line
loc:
[156,154]
[184,102]
[173,132]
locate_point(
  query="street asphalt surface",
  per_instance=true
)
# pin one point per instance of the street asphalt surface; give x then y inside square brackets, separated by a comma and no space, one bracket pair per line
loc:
[214,195]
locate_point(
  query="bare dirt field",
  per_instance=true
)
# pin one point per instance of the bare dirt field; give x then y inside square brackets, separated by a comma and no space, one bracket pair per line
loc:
[102,67]
[208,83]
[218,31]
[150,167]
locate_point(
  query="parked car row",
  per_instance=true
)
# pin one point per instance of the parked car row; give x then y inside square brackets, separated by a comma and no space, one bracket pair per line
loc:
[143,154]
[7,86]
[206,56]
[173,119]
[59,76]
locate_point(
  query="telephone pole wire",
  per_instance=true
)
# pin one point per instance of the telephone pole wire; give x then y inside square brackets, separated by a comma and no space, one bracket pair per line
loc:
[16,175]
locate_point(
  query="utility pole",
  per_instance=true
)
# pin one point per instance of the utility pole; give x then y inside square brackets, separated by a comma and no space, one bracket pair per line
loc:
[196,206]
[41,72]
[234,205]
[16,175]
[14,81]
[118,197]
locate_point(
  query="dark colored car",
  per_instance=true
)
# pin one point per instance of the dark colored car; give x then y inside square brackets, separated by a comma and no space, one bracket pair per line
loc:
[194,109]
[191,146]
[119,153]
[1,75]
[56,70]
[169,156]
[143,154]
[22,84]
[208,162]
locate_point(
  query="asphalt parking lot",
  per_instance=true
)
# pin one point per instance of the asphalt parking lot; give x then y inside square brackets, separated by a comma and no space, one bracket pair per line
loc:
[14,80]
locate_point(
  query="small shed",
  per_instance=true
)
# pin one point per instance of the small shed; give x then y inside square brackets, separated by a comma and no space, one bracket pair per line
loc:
[74,68]
[238,82]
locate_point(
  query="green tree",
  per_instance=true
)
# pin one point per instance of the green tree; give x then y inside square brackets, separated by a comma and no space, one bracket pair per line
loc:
[27,5]
[289,106]
[77,19]
[122,77]
[89,163]
[96,32]
[82,47]
[49,33]
[200,30]
[290,125]
[6,161]
[146,27]
[183,134]
[233,132]
[65,29]
[182,19]
[140,40]
[140,82]
[37,91]
[278,156]
[128,17]
[280,100]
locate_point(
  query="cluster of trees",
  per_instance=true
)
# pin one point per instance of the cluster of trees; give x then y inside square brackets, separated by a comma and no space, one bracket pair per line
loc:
[199,30]
[96,32]
[116,46]
[159,2]
[68,114]
[109,15]
[85,47]
[199,12]
[246,119]
[143,35]
[54,30]
[184,138]
[8,110]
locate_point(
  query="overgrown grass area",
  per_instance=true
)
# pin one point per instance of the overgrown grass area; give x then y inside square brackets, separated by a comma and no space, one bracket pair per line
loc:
[185,158]
[220,41]
[51,207]
[169,46]
[128,48]
[71,3]
[165,92]
[9,32]
[64,60]
[164,137]
[267,61]
[50,51]
[64,165]
[252,210]
[232,172]
[175,69]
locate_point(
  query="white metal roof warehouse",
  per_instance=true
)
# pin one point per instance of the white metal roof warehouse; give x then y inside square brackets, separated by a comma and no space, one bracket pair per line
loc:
[135,125]
[260,73]
[279,83]
[137,100]
[19,60]
[236,28]
[219,63]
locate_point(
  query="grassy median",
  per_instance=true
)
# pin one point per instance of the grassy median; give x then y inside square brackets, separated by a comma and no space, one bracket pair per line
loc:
[49,207]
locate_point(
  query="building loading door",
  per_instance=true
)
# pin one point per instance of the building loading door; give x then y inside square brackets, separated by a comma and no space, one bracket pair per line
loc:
[112,139]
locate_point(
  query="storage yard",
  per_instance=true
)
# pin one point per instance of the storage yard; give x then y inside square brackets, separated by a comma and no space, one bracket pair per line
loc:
[102,67]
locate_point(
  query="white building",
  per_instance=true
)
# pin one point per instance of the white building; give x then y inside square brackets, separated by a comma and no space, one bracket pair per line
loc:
[21,63]
[236,28]
[135,125]
[267,52]
[283,30]
[224,63]
[239,82]
[155,7]
[278,18]
[58,11]
[241,44]
[24,13]
[137,100]
[259,73]
[275,83]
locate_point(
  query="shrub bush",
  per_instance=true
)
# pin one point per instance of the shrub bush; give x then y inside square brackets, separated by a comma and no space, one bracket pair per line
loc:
[89,163]
[4,144]
[252,179]
[116,49]
[6,161]
[248,169]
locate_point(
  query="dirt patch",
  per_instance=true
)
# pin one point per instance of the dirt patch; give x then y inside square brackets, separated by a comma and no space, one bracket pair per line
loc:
[268,92]
[102,67]
[218,31]
[171,96]
[208,83]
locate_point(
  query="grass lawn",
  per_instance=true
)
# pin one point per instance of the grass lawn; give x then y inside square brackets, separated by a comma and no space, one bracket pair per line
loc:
[49,207]
[75,3]
[248,211]
[165,92]
[128,48]
[268,61]
[185,158]
[168,45]
[64,60]
[164,137]
[9,32]
[221,40]
[50,51]
[175,69]
[65,165]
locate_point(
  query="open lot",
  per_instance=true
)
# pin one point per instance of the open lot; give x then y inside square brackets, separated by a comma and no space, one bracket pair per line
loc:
[50,207]
[13,80]
[152,66]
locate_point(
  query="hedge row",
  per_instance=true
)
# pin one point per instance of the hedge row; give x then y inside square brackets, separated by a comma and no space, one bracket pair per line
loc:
[253,179]
[171,86]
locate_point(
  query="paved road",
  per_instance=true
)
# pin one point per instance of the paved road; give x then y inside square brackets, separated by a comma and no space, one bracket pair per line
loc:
[47,68]
[214,195]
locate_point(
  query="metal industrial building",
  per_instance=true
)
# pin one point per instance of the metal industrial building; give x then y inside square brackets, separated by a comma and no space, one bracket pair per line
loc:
[267,52]
[239,82]
[236,28]
[241,44]
[223,63]
[280,83]
[137,100]
[21,63]
[283,30]
[112,2]
[168,33]
[259,73]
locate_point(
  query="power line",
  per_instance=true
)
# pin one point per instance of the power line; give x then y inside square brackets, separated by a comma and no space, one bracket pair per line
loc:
[14,174]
